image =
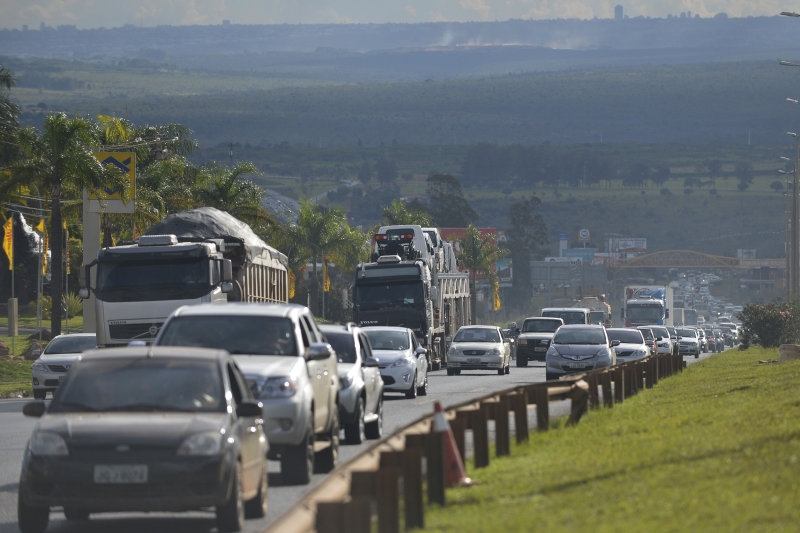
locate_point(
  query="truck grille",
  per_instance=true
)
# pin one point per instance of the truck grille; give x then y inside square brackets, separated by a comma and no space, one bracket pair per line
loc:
[139,332]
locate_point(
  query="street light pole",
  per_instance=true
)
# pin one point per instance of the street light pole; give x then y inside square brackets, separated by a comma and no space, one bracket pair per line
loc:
[795,265]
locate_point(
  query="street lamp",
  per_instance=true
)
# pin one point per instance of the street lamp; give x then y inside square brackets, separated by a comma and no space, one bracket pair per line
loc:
[795,246]
[789,239]
[788,64]
[790,14]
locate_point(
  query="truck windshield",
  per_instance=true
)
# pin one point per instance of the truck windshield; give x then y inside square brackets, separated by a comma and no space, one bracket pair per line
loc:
[645,313]
[240,335]
[598,317]
[569,317]
[388,295]
[540,326]
[140,281]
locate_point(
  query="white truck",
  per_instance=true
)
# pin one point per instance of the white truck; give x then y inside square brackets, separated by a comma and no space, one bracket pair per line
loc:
[647,305]
[202,255]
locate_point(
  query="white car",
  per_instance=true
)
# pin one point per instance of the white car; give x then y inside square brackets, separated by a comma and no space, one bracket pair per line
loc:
[50,369]
[631,345]
[689,342]
[664,346]
[403,362]
[479,348]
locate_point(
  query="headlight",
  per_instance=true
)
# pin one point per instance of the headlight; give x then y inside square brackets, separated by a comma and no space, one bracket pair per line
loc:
[493,352]
[345,381]
[640,353]
[454,351]
[404,361]
[47,443]
[522,341]
[40,367]
[278,387]
[209,443]
[603,352]
[552,352]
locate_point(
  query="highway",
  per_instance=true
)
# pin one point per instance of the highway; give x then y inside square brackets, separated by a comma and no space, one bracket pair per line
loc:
[397,411]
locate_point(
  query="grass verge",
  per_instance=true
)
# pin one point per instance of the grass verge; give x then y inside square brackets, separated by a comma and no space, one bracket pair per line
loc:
[714,449]
[15,378]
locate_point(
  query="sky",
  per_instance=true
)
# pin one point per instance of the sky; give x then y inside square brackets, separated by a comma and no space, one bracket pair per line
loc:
[114,13]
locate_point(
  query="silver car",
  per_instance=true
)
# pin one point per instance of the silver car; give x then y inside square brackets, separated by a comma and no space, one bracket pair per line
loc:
[403,362]
[579,348]
[51,367]
[479,348]
[631,345]
[361,386]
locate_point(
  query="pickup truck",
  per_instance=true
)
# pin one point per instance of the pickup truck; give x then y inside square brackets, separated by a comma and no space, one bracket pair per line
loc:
[535,337]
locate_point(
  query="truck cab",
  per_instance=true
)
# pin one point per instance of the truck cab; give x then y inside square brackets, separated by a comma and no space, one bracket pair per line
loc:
[570,315]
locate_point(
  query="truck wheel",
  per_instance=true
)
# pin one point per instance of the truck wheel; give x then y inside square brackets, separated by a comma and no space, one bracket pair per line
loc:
[374,430]
[522,361]
[327,459]
[31,519]
[297,462]
[354,432]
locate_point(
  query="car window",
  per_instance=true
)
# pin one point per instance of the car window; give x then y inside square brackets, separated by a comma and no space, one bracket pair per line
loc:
[238,334]
[388,340]
[304,333]
[647,334]
[236,389]
[580,336]
[344,345]
[70,344]
[247,394]
[142,385]
[366,349]
[477,335]
[314,334]
[569,317]
[627,336]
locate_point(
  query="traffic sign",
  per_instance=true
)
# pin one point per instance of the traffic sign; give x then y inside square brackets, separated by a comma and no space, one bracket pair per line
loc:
[108,200]
[584,234]
[563,236]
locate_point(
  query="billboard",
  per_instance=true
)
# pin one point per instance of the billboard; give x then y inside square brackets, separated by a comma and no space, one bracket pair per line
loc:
[504,271]
[745,254]
[627,245]
[584,254]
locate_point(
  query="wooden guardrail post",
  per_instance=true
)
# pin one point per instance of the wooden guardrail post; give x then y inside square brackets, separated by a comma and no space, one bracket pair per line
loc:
[542,409]
[608,396]
[656,371]
[594,397]
[434,454]
[502,440]
[388,501]
[579,397]
[412,489]
[619,387]
[459,426]
[344,517]
[626,381]
[521,416]
[480,438]
[640,366]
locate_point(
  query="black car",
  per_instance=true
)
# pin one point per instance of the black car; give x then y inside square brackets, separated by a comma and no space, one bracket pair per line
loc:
[146,429]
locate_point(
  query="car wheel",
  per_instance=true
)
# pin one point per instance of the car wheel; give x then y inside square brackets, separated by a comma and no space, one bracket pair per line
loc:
[508,368]
[412,392]
[550,376]
[354,431]
[31,519]
[451,372]
[502,371]
[70,513]
[374,430]
[457,371]
[436,366]
[522,361]
[327,459]
[257,507]
[297,462]
[230,515]
[39,394]
[697,354]
[423,390]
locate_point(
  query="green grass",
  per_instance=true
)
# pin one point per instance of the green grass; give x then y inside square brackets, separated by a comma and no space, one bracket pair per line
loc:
[15,376]
[715,449]
[75,323]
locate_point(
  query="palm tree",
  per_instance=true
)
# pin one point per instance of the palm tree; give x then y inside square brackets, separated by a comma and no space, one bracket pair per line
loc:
[60,161]
[9,118]
[399,213]
[479,254]
[229,190]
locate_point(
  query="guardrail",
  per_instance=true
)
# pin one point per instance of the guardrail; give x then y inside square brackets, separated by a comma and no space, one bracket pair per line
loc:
[368,485]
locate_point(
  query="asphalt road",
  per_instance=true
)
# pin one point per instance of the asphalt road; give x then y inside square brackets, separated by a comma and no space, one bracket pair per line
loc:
[398,411]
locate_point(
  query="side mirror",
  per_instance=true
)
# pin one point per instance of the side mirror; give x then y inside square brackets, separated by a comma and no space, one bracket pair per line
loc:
[659,339]
[448,340]
[227,270]
[34,409]
[249,409]
[371,363]
[319,351]
[83,294]
[615,343]
[421,351]
[226,287]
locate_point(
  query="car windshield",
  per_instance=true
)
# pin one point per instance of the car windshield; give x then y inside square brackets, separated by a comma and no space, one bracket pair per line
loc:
[344,345]
[660,332]
[647,334]
[239,334]
[626,336]
[388,295]
[540,326]
[687,333]
[71,344]
[569,317]
[382,339]
[142,385]
[476,335]
[580,336]
[163,279]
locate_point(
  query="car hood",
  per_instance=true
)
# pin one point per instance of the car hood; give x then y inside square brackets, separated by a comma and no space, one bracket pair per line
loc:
[627,347]
[390,356]
[577,349]
[269,365]
[537,335]
[151,429]
[58,358]
[477,346]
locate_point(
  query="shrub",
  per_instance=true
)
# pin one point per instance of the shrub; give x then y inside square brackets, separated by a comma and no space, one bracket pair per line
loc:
[768,325]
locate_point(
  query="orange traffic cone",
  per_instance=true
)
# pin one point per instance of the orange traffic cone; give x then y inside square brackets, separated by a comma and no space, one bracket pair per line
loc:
[455,474]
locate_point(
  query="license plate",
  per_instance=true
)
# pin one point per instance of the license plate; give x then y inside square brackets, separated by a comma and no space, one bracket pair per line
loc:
[577,365]
[473,361]
[540,349]
[120,474]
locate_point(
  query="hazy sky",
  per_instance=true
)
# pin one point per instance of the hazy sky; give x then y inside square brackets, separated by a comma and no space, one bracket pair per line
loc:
[113,13]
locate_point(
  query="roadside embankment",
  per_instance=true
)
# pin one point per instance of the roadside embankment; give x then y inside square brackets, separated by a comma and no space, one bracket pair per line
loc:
[713,449]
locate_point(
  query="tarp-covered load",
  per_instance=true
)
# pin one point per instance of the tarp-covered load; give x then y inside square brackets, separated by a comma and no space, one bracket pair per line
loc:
[197,225]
